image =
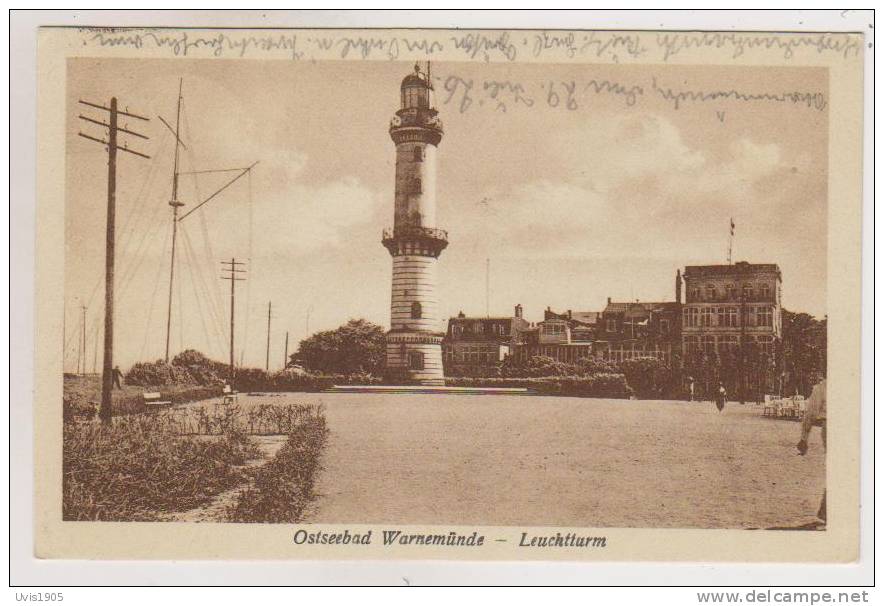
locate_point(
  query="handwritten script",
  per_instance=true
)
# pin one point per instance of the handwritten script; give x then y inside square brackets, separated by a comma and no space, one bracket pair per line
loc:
[571,95]
[507,46]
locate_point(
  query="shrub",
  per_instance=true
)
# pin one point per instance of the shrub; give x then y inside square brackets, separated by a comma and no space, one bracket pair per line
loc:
[283,487]
[152,374]
[603,385]
[134,469]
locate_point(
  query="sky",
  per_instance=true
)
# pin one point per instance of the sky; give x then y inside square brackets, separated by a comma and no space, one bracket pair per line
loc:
[571,202]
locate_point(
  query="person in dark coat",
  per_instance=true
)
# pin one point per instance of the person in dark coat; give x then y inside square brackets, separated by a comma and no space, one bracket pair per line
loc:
[720,397]
[118,378]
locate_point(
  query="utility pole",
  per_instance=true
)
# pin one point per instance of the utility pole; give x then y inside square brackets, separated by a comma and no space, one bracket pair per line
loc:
[285,360]
[175,204]
[742,344]
[83,335]
[95,351]
[269,308]
[113,128]
[488,287]
[232,270]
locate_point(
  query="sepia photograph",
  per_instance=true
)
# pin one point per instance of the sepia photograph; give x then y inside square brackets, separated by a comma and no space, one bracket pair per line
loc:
[449,294]
[439,293]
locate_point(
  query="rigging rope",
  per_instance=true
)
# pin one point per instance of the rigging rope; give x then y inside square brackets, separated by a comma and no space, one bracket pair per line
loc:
[153,296]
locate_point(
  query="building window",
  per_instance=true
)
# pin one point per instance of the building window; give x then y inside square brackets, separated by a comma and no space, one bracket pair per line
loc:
[764,316]
[727,343]
[418,154]
[690,316]
[765,292]
[611,325]
[710,292]
[664,327]
[731,317]
[553,329]
[690,344]
[722,315]
[416,310]
[747,292]
[416,360]
[706,316]
[765,345]
[478,328]
[416,185]
[709,344]
[731,292]
[695,294]
[457,330]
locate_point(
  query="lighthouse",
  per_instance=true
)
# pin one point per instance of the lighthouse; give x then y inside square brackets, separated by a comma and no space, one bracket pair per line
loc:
[414,342]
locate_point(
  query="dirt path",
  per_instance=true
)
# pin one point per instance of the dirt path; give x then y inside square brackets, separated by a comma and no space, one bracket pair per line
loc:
[418,459]
[215,510]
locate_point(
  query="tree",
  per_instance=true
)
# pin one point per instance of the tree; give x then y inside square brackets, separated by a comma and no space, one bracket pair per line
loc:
[648,377]
[804,350]
[357,346]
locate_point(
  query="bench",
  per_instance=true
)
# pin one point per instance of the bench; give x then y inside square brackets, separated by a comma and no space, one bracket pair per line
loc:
[153,400]
[228,396]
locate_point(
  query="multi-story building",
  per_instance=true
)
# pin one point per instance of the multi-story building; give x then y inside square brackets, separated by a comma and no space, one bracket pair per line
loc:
[631,330]
[565,337]
[474,343]
[728,305]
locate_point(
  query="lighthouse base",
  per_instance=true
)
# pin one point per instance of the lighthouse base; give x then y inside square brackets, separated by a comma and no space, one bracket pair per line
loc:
[414,358]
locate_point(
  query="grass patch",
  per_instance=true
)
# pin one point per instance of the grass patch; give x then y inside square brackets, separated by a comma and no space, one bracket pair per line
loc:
[283,487]
[137,470]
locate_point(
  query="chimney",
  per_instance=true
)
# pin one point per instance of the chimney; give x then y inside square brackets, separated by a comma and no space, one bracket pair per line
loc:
[518,310]
[678,286]
[609,300]
[569,314]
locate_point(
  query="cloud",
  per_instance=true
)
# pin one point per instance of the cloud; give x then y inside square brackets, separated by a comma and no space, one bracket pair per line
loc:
[632,183]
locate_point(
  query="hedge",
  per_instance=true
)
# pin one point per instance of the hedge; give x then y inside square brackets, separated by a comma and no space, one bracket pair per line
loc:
[602,385]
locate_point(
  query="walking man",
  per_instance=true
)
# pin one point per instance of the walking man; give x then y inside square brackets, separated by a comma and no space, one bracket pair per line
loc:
[815,415]
[118,378]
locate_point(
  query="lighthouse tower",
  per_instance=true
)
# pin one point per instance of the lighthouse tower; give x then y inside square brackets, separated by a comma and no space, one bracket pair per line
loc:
[414,342]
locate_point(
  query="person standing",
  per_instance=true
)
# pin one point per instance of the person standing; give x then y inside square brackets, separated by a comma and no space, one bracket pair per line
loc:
[720,397]
[815,415]
[118,378]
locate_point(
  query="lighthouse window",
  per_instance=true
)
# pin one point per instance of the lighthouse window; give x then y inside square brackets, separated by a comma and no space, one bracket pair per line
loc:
[416,310]
[415,360]
[418,154]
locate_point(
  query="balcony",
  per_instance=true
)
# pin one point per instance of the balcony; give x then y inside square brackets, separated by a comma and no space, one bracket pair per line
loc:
[412,239]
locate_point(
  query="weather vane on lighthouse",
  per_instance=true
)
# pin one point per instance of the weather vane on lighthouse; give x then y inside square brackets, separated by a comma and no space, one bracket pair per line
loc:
[414,343]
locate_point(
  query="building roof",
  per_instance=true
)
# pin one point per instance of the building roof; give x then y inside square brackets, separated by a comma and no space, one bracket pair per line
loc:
[740,267]
[647,306]
[589,317]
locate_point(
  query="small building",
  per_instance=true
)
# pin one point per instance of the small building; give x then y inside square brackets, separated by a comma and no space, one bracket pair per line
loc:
[473,344]
[564,337]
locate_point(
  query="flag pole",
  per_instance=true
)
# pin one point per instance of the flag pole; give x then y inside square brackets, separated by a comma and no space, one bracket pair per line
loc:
[730,244]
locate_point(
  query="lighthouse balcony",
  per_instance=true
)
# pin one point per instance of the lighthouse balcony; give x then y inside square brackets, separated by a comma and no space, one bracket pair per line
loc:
[415,240]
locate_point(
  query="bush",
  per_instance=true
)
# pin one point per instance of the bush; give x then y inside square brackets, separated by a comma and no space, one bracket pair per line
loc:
[152,374]
[603,385]
[283,487]
[135,470]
